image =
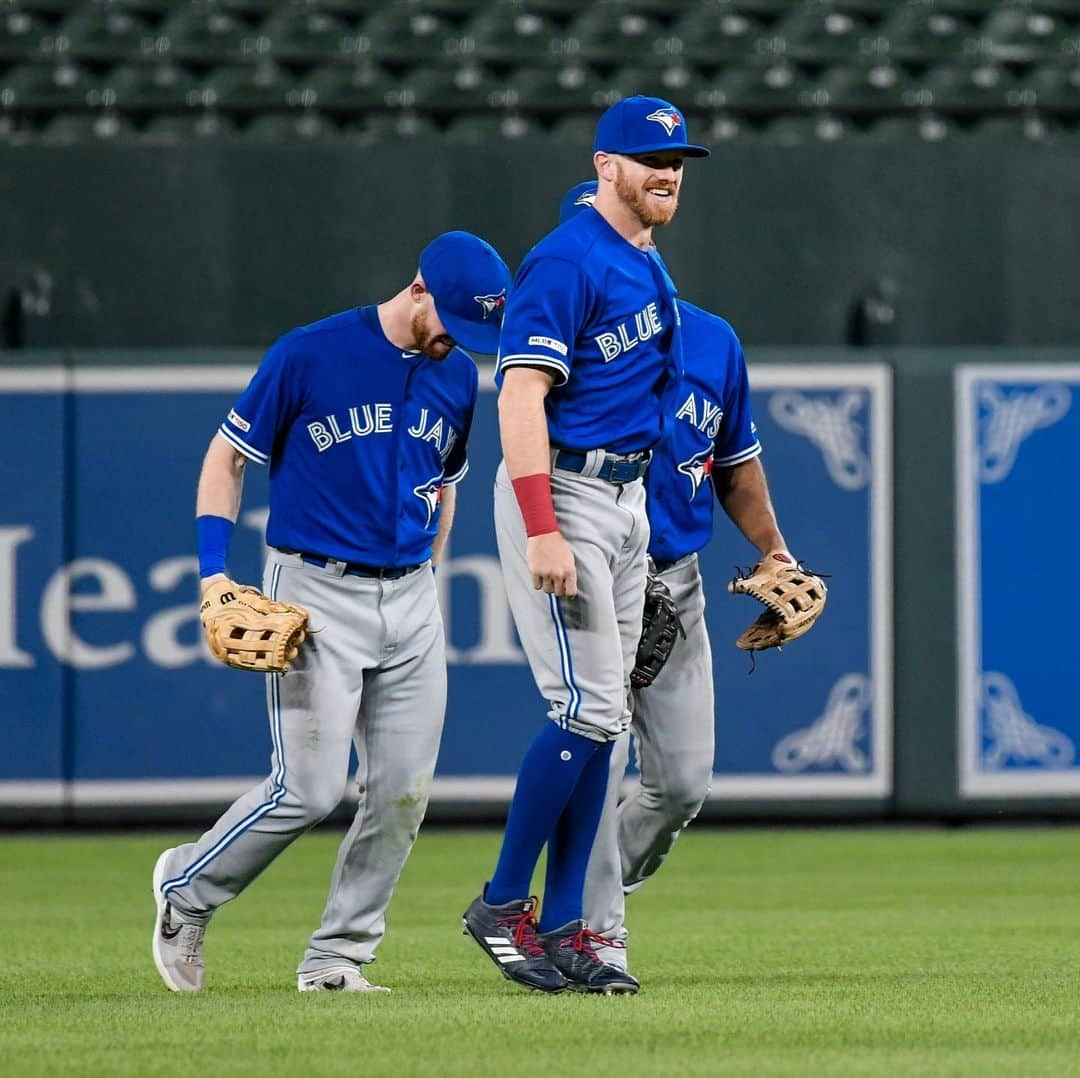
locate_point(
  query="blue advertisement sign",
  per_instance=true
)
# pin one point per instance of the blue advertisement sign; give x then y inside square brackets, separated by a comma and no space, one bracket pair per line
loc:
[1017,427]
[108,693]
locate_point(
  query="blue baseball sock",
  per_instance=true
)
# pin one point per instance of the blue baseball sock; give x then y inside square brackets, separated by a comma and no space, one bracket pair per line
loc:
[570,846]
[546,780]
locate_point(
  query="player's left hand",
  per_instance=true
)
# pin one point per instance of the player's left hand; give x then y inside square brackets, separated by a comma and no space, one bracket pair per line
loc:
[793,597]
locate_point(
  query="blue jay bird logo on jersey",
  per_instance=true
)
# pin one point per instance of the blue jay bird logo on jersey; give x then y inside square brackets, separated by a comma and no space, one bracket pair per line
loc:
[430,493]
[667,118]
[697,469]
[493,303]
[586,198]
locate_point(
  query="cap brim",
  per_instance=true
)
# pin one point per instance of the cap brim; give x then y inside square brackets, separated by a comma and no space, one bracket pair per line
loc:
[480,337]
[685,148]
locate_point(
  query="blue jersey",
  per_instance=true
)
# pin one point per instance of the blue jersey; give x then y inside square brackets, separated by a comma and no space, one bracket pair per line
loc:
[601,316]
[712,428]
[360,437]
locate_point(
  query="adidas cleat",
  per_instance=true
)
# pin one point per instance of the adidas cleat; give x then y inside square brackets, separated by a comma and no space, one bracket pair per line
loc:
[507,935]
[573,950]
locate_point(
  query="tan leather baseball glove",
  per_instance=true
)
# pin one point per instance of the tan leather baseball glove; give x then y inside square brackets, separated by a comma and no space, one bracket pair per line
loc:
[248,631]
[793,597]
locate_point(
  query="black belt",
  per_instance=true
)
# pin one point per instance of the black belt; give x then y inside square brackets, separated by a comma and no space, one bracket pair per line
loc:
[662,565]
[615,468]
[355,568]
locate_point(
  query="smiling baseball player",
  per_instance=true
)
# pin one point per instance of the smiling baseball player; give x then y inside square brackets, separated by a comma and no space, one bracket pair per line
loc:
[363,418]
[590,362]
[710,450]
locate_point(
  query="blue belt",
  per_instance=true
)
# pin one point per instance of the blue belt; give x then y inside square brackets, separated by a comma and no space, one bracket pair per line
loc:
[355,568]
[615,469]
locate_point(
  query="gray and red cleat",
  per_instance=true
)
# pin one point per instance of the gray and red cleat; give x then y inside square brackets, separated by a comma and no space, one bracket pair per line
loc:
[573,949]
[507,935]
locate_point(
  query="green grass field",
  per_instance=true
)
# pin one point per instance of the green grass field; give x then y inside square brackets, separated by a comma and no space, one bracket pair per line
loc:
[843,952]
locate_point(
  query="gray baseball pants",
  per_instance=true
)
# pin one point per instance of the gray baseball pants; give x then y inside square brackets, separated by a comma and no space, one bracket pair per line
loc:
[674,738]
[372,675]
[581,650]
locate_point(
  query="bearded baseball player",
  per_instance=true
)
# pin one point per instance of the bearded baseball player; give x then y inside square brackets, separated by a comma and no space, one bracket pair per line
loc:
[590,362]
[710,449]
[363,419]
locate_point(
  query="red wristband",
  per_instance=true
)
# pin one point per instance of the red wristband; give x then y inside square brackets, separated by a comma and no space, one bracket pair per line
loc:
[533,493]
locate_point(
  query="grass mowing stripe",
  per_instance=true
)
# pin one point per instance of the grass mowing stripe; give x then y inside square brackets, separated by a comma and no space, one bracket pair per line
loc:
[848,952]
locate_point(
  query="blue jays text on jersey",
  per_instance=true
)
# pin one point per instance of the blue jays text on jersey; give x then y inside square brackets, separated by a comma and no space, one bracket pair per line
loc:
[360,437]
[713,428]
[601,316]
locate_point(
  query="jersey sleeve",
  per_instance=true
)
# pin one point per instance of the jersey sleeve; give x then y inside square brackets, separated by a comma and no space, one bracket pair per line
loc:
[457,460]
[268,405]
[736,440]
[544,313]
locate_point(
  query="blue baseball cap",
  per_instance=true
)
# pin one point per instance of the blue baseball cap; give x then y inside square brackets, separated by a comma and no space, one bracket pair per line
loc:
[579,198]
[468,282]
[639,125]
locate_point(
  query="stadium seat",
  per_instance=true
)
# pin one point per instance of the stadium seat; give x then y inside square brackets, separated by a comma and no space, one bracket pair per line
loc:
[576,130]
[152,86]
[977,9]
[872,85]
[1020,35]
[87,127]
[484,130]
[717,34]
[920,33]
[353,86]
[1056,88]
[558,89]
[104,34]
[391,127]
[774,8]
[291,127]
[301,34]
[206,35]
[511,35]
[971,86]
[449,90]
[404,35]
[202,126]
[21,35]
[610,33]
[262,85]
[819,35]
[770,85]
[799,130]
[1030,127]
[674,82]
[922,127]
[63,86]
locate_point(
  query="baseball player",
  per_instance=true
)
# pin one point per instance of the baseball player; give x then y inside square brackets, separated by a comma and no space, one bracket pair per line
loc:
[711,449]
[590,362]
[363,418]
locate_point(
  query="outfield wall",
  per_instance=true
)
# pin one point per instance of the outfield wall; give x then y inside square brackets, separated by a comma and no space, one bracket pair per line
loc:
[111,707]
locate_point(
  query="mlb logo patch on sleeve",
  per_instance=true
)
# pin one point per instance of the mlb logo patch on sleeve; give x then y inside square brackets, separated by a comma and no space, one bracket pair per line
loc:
[239,421]
[547,342]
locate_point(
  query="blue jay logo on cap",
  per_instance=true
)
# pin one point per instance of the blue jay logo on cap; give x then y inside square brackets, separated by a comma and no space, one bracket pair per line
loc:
[667,118]
[492,303]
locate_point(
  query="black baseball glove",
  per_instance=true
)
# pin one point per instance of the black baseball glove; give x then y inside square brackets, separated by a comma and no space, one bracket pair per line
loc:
[659,627]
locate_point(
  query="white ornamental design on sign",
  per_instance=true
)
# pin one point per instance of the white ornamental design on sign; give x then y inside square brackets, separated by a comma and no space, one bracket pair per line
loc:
[832,738]
[1009,419]
[1015,736]
[831,426]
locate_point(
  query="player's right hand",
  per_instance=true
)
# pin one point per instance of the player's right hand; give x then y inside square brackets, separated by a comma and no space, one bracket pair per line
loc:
[551,562]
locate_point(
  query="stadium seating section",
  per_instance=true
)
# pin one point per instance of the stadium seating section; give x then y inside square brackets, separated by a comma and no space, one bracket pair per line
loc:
[480,71]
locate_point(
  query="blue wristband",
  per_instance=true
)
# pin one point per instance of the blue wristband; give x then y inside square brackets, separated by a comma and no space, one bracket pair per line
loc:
[214,536]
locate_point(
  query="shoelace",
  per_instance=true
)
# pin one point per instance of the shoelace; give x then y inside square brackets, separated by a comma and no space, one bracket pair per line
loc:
[585,940]
[189,942]
[524,926]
